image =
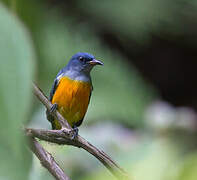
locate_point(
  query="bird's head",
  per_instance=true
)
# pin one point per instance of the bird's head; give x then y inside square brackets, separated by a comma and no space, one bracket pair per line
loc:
[83,62]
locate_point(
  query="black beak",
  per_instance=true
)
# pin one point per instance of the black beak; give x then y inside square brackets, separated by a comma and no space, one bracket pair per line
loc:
[95,62]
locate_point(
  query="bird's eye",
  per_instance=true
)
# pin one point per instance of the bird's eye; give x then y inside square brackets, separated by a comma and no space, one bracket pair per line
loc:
[81,58]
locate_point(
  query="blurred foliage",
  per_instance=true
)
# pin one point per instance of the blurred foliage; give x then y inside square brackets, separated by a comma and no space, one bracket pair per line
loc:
[16,72]
[121,98]
[141,19]
[189,168]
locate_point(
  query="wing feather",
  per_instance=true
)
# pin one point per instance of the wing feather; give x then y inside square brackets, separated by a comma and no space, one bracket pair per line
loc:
[52,92]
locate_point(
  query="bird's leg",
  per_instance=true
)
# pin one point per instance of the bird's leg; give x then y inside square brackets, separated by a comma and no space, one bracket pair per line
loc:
[53,108]
[75,131]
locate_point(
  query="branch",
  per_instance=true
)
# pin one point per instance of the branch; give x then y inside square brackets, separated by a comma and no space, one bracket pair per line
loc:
[64,135]
[47,160]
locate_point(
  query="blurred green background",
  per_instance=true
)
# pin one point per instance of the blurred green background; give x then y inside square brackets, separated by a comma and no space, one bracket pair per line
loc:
[143,107]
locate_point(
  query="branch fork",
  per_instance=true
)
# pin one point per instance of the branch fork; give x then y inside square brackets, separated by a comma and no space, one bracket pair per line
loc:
[64,137]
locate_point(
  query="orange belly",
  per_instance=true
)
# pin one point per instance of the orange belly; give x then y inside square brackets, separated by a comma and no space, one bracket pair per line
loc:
[72,98]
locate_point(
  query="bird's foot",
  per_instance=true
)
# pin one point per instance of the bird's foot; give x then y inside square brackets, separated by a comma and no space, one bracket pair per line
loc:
[53,108]
[74,132]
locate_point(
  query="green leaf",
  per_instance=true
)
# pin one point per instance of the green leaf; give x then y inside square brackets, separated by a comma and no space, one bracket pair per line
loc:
[16,72]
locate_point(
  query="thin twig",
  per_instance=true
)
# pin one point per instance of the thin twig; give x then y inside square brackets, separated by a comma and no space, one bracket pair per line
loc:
[63,136]
[47,160]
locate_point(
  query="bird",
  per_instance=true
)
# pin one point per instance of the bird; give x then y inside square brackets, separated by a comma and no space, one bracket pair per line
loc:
[71,91]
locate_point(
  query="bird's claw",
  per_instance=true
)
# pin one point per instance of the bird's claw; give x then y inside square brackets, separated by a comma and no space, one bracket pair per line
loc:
[74,132]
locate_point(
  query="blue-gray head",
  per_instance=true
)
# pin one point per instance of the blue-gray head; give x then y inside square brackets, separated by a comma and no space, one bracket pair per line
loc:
[82,62]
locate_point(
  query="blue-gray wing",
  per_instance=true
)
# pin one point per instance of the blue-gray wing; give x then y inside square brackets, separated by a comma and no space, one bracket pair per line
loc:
[55,84]
[53,89]
[52,92]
